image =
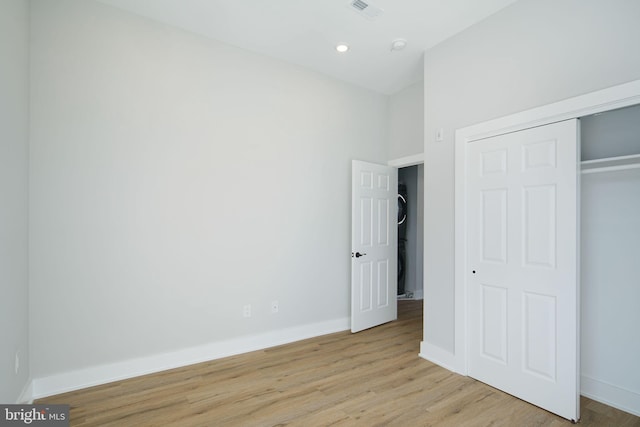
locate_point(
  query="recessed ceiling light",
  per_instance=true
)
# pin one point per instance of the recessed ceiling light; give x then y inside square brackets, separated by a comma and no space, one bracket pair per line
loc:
[342,47]
[398,44]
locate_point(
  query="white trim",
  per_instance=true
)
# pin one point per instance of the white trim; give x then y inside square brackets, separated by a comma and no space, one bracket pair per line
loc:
[460,261]
[404,162]
[437,355]
[26,397]
[96,375]
[612,98]
[615,97]
[618,397]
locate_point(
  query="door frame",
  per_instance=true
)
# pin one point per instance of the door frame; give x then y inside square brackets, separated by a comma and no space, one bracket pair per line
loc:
[612,98]
[413,160]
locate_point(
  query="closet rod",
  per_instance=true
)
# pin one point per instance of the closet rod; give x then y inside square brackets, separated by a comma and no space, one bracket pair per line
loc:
[611,168]
[611,164]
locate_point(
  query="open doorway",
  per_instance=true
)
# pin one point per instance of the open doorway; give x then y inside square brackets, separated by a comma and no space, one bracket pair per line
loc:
[410,232]
[374,243]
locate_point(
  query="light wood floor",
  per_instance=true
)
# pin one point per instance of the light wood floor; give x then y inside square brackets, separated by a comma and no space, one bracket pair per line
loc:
[373,378]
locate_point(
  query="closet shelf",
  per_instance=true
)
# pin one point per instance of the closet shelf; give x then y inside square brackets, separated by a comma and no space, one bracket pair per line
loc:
[610,164]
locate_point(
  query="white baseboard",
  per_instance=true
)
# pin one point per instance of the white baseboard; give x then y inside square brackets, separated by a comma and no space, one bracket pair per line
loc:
[26,397]
[600,391]
[102,374]
[438,355]
[620,398]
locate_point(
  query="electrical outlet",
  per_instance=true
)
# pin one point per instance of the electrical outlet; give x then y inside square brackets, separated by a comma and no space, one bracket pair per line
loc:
[17,363]
[275,306]
[246,310]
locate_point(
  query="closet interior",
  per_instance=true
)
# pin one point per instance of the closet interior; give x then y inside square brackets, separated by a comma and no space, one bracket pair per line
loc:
[610,257]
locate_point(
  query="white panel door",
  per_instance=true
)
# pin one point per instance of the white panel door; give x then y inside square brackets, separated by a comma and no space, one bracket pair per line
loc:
[522,257]
[374,245]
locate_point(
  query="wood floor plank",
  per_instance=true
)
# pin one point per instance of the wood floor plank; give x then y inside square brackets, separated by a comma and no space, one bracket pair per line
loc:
[372,378]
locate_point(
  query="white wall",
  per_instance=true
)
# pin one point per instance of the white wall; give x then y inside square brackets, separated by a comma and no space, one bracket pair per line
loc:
[610,289]
[14,136]
[406,122]
[406,138]
[532,53]
[175,179]
[611,134]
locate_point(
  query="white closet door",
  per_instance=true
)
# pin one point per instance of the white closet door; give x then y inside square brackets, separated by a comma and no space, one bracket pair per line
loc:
[522,253]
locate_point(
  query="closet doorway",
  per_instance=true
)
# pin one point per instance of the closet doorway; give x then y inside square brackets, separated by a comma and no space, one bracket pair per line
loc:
[603,317]
[610,232]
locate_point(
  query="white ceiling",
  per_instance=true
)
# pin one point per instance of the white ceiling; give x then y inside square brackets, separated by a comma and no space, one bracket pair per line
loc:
[305,32]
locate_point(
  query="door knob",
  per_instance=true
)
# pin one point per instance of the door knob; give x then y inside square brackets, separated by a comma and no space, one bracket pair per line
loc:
[358,254]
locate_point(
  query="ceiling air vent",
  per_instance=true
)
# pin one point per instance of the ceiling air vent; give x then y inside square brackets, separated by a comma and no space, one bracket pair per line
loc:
[365,9]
